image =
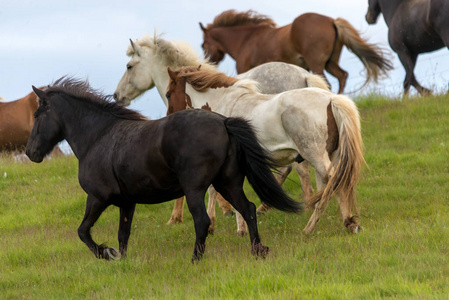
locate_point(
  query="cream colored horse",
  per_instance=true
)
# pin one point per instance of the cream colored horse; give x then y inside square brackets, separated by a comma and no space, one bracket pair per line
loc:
[305,124]
[150,57]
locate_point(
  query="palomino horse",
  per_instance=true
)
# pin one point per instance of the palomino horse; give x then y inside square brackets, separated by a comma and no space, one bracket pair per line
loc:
[414,27]
[159,161]
[306,124]
[312,41]
[16,123]
[150,57]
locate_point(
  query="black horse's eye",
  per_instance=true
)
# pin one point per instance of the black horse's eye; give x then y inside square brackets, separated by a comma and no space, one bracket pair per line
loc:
[129,67]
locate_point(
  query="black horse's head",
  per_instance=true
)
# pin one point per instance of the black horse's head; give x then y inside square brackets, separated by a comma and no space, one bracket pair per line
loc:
[373,11]
[46,131]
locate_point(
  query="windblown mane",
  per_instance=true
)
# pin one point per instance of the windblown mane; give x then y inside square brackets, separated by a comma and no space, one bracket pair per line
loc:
[83,91]
[201,80]
[173,54]
[233,18]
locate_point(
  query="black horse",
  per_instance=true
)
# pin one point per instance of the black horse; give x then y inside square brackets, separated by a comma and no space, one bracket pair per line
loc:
[125,159]
[414,27]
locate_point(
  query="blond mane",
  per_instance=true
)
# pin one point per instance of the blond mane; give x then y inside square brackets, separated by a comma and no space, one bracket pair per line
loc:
[174,54]
[201,80]
[233,18]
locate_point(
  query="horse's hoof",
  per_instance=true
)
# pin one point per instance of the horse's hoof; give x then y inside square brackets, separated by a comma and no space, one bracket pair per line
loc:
[211,231]
[228,213]
[113,254]
[174,221]
[241,233]
[260,251]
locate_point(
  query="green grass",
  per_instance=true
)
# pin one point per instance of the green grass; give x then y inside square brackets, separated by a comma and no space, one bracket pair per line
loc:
[402,252]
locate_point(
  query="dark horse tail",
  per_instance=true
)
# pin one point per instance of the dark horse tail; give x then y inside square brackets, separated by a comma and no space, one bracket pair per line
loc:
[257,165]
[372,56]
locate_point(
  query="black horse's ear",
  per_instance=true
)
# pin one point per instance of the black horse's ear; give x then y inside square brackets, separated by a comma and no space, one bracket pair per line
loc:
[204,29]
[41,94]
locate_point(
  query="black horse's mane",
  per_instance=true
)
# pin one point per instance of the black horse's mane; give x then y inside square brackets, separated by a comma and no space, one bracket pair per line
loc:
[82,90]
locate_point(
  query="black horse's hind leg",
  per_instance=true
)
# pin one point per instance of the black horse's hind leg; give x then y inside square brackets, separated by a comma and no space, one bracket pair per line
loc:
[408,60]
[235,195]
[126,218]
[94,208]
[195,203]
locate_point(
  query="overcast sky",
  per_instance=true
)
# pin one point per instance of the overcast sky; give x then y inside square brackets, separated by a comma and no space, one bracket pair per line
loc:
[41,41]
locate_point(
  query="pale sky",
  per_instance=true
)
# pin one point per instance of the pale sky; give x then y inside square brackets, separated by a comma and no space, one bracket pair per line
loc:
[41,41]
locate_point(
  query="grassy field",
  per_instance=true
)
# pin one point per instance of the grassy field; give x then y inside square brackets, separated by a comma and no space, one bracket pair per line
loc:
[402,252]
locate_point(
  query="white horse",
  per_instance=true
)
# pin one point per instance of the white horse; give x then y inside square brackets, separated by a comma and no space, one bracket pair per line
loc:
[150,57]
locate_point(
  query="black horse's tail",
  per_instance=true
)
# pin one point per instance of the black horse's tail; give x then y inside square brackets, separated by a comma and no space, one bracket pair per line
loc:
[257,164]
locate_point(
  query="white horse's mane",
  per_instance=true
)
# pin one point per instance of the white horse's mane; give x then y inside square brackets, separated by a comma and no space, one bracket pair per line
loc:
[175,54]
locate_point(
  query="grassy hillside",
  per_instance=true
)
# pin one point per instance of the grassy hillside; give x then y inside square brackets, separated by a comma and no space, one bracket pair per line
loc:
[402,251]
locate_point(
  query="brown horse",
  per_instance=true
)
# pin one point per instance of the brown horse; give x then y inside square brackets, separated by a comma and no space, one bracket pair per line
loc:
[16,123]
[414,27]
[312,41]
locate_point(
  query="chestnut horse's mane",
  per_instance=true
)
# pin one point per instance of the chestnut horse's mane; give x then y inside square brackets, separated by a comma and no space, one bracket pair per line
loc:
[233,18]
[173,53]
[201,80]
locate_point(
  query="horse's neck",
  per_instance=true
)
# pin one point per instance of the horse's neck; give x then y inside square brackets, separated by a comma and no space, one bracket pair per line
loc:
[388,9]
[233,38]
[82,126]
[221,100]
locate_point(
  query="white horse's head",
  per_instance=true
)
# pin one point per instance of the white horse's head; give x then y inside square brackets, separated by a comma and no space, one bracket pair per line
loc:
[138,77]
[150,57]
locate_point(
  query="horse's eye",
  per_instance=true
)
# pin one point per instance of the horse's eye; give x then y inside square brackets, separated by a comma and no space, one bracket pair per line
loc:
[129,67]
[167,96]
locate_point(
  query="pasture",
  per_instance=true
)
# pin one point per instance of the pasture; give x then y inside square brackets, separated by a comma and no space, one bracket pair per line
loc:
[402,252]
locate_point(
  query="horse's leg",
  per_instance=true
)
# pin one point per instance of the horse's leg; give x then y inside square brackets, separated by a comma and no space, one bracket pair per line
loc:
[225,206]
[280,176]
[304,176]
[94,208]
[322,177]
[195,203]
[408,60]
[242,229]
[334,69]
[176,215]
[124,230]
[346,203]
[211,208]
[235,195]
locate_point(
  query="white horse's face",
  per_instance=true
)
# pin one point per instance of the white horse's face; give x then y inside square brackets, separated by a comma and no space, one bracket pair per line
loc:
[137,78]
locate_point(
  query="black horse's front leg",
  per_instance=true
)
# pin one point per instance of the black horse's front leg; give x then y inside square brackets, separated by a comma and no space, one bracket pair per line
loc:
[94,208]
[124,231]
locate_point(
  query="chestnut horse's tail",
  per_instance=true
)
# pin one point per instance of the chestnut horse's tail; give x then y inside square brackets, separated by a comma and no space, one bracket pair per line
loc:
[257,163]
[348,159]
[372,56]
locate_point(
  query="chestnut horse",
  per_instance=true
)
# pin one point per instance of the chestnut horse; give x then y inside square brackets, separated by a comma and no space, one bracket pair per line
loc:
[305,124]
[16,123]
[414,27]
[312,41]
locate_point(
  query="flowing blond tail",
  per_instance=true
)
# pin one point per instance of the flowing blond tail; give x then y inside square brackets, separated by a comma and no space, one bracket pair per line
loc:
[348,159]
[318,81]
[372,56]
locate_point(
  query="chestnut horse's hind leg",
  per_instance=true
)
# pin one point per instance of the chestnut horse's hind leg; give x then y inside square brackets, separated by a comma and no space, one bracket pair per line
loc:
[195,202]
[176,215]
[126,218]
[94,208]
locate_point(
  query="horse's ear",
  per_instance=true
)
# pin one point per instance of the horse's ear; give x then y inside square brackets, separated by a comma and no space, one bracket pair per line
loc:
[171,73]
[41,94]
[204,29]
[134,47]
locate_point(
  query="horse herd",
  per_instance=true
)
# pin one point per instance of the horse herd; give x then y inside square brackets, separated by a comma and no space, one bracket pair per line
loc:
[275,115]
